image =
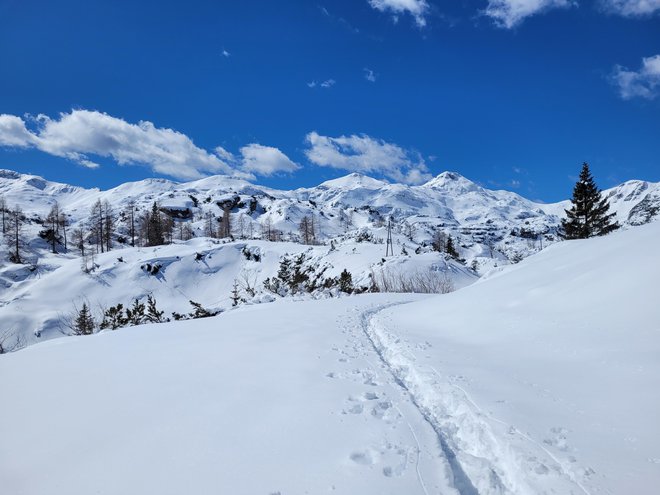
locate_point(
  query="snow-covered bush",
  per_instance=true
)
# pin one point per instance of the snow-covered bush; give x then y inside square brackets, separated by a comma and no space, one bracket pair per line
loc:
[418,281]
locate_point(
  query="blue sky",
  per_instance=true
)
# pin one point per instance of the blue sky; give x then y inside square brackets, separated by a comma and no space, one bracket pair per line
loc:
[511,94]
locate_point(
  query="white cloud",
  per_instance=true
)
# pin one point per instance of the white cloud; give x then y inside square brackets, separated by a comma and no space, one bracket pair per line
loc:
[369,75]
[644,83]
[225,53]
[81,133]
[365,154]
[417,8]
[266,160]
[328,83]
[510,13]
[13,132]
[631,8]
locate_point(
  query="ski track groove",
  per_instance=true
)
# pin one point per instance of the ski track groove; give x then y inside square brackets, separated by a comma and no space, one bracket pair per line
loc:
[460,480]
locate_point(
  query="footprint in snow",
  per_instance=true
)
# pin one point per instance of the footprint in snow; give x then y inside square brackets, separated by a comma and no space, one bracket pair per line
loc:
[364,458]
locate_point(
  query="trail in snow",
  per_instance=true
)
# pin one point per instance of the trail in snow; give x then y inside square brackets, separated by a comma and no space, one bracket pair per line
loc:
[479,461]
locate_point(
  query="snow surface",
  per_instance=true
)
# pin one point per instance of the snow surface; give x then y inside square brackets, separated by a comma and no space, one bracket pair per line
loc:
[541,378]
[554,360]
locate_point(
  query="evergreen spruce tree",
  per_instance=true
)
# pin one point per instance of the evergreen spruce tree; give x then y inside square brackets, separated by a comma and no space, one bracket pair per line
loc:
[346,281]
[114,318]
[135,314]
[450,249]
[155,227]
[200,311]
[235,294]
[153,315]
[84,321]
[588,215]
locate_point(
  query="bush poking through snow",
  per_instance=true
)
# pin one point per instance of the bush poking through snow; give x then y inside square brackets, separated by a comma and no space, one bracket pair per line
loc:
[298,274]
[198,312]
[10,342]
[420,282]
[113,318]
[346,282]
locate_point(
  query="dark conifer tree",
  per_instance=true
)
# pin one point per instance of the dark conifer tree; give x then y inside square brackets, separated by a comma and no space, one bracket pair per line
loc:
[588,215]
[135,314]
[155,227]
[153,315]
[235,294]
[450,249]
[346,281]
[114,318]
[84,322]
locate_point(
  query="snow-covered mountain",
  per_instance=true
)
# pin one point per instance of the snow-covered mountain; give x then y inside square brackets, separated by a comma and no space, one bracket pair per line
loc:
[491,229]
[449,201]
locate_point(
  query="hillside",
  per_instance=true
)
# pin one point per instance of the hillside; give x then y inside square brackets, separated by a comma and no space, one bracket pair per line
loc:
[537,379]
[490,229]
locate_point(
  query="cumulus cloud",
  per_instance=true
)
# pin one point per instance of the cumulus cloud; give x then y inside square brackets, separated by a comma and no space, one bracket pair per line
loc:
[510,13]
[82,134]
[643,83]
[13,132]
[417,8]
[364,154]
[631,8]
[369,75]
[266,160]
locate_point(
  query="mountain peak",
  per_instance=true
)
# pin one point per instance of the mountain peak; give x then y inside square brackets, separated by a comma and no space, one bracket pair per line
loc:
[354,181]
[9,174]
[452,181]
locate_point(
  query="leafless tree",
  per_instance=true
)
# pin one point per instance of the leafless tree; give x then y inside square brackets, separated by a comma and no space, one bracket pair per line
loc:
[10,342]
[78,239]
[306,229]
[225,223]
[267,229]
[248,281]
[53,222]
[240,225]
[14,234]
[439,241]
[209,225]
[130,216]
[96,225]
[409,230]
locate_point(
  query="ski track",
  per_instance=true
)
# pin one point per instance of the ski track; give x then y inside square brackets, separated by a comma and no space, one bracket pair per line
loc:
[469,455]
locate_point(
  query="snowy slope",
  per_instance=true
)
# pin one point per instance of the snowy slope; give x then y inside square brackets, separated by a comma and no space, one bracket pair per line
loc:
[539,379]
[554,360]
[34,304]
[491,229]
